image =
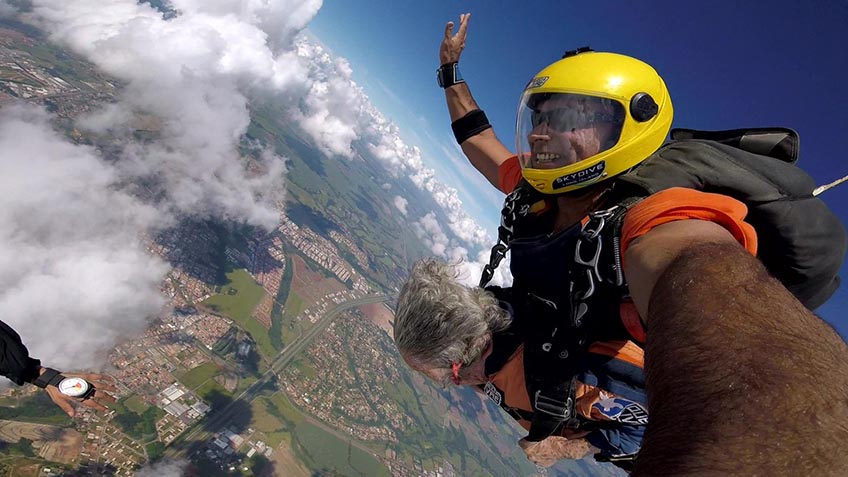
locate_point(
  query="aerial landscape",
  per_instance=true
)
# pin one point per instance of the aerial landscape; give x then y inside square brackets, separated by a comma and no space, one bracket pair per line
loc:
[272,355]
[216,205]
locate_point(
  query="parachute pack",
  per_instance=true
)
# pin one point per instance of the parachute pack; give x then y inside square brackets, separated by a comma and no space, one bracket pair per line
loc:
[801,242]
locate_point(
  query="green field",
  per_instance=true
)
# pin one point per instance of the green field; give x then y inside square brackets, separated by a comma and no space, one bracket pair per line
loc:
[238,298]
[280,406]
[245,383]
[328,452]
[135,404]
[37,408]
[295,305]
[263,421]
[260,335]
[305,367]
[194,378]
[140,426]
[214,394]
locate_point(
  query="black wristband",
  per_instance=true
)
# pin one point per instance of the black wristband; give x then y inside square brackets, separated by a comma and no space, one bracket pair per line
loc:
[50,377]
[469,125]
[448,75]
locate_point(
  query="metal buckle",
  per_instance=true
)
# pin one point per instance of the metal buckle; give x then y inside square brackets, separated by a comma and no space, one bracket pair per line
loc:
[591,264]
[554,407]
[600,217]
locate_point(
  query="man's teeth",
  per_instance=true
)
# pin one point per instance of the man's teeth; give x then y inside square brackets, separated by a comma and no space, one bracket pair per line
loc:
[546,157]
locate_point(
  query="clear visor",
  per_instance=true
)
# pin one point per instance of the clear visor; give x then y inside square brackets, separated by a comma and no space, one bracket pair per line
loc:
[559,129]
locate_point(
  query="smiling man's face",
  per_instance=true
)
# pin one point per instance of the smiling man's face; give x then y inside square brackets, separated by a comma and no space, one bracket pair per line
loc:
[567,129]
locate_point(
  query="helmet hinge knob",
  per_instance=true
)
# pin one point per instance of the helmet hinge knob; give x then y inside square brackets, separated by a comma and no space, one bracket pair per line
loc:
[643,107]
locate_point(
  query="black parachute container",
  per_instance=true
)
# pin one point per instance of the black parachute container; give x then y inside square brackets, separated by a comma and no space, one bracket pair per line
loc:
[801,242]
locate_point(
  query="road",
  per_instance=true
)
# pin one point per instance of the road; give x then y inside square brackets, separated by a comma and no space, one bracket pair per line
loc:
[204,429]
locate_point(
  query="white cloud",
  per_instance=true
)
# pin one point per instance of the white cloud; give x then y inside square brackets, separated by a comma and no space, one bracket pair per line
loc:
[7,10]
[193,74]
[400,204]
[428,229]
[74,274]
[337,112]
[164,468]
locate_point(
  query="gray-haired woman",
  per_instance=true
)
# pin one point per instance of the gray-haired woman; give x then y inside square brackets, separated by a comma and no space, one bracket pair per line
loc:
[471,337]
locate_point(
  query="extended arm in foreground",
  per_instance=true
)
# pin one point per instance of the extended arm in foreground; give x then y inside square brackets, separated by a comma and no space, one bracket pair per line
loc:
[742,378]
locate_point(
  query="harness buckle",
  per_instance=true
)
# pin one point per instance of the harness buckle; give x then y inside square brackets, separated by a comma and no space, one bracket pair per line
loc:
[554,407]
[592,263]
[591,290]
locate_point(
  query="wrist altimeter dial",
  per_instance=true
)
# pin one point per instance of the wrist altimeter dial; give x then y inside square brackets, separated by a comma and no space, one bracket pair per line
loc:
[73,386]
[76,387]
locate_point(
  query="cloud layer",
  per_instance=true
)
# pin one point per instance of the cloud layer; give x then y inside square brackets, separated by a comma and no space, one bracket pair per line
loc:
[72,248]
[74,274]
[193,75]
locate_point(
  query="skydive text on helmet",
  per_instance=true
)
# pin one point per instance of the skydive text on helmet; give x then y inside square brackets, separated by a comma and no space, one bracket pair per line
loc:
[536,82]
[586,175]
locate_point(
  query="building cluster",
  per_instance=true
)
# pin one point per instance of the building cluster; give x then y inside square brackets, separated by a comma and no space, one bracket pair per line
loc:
[145,366]
[347,389]
[399,468]
[190,249]
[26,77]
[267,268]
[316,311]
[228,449]
[181,403]
[205,328]
[316,247]
[106,446]
[345,240]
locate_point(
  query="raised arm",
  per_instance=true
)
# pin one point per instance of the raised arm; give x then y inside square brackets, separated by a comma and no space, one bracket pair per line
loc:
[742,378]
[483,149]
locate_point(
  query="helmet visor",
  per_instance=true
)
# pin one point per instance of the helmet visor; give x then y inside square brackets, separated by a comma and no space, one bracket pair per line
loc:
[556,130]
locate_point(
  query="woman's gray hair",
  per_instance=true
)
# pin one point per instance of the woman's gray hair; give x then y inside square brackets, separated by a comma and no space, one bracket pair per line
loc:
[439,321]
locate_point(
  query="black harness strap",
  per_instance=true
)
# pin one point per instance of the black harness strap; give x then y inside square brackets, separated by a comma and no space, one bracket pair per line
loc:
[595,289]
[556,345]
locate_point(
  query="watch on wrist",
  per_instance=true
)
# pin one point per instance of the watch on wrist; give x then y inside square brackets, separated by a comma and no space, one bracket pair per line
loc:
[448,75]
[72,387]
[76,388]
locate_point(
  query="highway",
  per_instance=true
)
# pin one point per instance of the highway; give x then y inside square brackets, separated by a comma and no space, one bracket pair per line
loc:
[204,429]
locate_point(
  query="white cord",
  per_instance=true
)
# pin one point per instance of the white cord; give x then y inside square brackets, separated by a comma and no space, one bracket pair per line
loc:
[818,190]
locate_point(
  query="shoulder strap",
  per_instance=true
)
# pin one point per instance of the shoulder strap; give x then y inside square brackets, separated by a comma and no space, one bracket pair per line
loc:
[523,206]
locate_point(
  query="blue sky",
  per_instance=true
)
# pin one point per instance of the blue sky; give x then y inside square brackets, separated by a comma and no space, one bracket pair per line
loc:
[727,65]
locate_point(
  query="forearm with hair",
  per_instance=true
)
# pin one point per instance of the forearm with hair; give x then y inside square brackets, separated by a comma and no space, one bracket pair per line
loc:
[741,378]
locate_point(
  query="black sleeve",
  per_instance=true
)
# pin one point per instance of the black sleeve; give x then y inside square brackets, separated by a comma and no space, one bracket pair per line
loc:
[15,362]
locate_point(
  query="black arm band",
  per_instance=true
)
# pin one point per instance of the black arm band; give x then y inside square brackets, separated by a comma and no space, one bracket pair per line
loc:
[469,125]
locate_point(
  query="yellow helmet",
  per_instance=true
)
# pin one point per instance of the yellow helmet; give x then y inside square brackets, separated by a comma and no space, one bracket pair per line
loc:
[589,117]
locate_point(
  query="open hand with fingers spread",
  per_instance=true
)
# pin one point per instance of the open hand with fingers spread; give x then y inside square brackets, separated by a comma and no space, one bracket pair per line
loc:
[71,390]
[452,45]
